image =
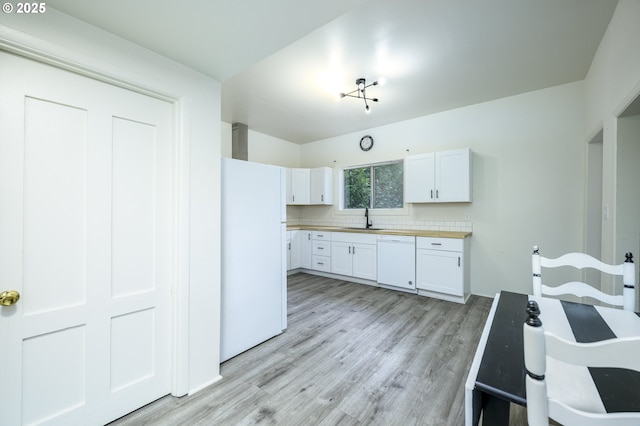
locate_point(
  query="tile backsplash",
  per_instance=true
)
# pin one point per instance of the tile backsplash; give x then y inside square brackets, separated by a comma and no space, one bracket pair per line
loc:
[427,225]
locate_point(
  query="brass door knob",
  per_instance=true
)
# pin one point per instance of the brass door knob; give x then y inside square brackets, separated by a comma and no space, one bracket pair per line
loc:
[9,297]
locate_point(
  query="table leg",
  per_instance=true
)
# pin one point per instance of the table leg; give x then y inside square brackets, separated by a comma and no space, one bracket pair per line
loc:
[477,407]
[495,411]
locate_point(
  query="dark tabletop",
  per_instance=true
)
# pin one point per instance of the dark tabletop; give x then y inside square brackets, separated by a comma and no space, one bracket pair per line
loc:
[501,371]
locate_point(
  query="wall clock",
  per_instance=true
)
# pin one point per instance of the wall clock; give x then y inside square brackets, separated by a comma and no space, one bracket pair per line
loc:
[366,143]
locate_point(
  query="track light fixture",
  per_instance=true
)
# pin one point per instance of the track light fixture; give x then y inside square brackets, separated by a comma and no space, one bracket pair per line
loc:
[361,94]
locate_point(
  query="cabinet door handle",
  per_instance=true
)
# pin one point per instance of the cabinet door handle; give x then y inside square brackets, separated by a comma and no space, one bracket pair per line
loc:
[436,244]
[308,236]
[289,246]
[322,198]
[320,248]
[354,250]
[349,249]
[436,193]
[320,263]
[293,198]
[458,261]
[432,194]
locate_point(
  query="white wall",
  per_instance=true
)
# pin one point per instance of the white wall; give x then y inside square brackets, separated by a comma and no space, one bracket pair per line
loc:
[263,148]
[613,80]
[75,44]
[269,150]
[627,190]
[612,83]
[528,176]
[225,139]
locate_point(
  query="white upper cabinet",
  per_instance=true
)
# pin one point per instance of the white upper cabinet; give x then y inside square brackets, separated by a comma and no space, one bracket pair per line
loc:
[310,186]
[440,177]
[298,186]
[322,186]
[420,178]
[453,176]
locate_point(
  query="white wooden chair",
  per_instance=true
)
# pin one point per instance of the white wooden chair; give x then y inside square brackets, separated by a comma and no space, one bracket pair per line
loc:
[540,344]
[580,260]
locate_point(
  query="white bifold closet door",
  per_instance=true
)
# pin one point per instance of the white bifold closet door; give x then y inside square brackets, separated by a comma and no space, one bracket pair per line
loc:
[86,220]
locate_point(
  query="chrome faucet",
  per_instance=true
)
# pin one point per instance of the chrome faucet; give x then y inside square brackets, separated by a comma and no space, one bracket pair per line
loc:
[366,215]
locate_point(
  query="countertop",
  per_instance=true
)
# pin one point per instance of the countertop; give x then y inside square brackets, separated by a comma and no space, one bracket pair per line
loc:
[408,232]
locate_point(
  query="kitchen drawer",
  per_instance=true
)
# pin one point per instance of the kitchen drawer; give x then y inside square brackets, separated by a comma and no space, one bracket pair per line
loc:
[321,235]
[444,244]
[321,263]
[321,248]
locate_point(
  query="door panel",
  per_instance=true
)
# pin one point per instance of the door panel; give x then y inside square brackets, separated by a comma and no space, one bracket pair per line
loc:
[419,180]
[131,363]
[133,207]
[50,360]
[440,271]
[86,238]
[341,258]
[364,261]
[452,175]
[55,206]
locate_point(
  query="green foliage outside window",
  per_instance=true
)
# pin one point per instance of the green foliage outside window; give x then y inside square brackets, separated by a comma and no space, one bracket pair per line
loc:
[357,188]
[387,186]
[376,186]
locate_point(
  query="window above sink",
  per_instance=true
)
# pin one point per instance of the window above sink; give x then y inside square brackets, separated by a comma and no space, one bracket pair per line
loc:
[373,186]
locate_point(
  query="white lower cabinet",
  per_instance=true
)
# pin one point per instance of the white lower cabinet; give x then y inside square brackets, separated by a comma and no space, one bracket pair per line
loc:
[441,264]
[288,250]
[354,255]
[294,257]
[305,249]
[364,261]
[442,268]
[321,263]
[342,260]
[321,251]
[298,249]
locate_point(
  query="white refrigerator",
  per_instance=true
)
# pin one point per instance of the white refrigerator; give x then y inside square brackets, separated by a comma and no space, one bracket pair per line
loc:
[254,276]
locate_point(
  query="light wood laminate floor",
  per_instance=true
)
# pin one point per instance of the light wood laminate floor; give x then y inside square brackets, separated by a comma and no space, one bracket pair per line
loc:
[352,355]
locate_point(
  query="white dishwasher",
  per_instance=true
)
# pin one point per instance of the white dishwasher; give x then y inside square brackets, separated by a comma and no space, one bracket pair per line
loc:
[397,261]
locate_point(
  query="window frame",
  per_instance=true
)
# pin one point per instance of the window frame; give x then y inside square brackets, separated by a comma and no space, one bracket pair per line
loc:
[342,209]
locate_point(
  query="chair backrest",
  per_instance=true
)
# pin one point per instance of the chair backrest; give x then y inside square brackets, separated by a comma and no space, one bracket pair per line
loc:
[540,344]
[580,260]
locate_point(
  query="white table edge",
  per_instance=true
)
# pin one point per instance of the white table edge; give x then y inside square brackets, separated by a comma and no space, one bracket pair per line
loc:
[470,384]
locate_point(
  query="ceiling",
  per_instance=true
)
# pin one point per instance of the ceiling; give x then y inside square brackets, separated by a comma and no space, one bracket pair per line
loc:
[282,63]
